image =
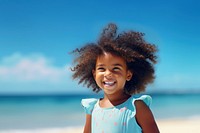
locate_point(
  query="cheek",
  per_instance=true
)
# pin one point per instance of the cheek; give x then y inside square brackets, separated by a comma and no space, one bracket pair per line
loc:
[98,75]
[98,79]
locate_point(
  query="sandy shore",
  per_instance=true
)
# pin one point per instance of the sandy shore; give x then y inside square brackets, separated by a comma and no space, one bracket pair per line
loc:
[179,126]
[48,130]
[165,126]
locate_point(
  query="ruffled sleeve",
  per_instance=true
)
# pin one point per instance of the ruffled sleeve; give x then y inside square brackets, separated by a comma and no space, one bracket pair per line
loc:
[88,104]
[146,99]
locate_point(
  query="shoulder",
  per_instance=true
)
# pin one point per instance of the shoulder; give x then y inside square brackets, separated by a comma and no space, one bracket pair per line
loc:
[88,101]
[88,104]
[146,99]
[144,116]
[142,105]
[141,108]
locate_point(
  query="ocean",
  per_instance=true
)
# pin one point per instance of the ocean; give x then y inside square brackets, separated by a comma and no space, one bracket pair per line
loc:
[57,111]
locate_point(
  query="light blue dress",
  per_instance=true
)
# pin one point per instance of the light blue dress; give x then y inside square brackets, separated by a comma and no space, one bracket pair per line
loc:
[117,119]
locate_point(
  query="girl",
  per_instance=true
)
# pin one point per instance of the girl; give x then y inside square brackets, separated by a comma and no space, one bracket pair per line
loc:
[121,65]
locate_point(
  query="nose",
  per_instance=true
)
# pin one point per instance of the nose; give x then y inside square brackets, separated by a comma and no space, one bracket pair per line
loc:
[108,74]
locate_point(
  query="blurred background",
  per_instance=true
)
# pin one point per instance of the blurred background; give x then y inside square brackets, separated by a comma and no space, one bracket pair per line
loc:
[36,37]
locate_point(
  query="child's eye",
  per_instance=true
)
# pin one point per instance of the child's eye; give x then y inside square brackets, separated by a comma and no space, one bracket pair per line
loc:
[100,69]
[116,68]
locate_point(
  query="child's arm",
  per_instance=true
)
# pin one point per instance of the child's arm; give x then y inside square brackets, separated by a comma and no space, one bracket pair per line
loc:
[145,118]
[87,128]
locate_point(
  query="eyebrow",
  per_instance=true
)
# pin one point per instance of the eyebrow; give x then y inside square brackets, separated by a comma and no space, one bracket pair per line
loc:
[117,65]
[100,65]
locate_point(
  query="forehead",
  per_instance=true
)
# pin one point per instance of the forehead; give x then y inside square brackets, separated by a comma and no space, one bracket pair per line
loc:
[108,58]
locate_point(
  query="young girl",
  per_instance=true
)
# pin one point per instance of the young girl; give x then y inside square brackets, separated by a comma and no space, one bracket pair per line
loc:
[121,65]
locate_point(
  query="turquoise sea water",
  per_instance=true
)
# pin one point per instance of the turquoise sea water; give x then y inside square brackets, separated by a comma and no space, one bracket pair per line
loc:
[29,112]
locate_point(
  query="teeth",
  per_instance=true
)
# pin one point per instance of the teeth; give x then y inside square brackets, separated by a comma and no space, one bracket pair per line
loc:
[109,83]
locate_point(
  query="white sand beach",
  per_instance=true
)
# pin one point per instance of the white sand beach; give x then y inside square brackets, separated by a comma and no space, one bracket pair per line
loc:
[179,125]
[190,125]
[48,130]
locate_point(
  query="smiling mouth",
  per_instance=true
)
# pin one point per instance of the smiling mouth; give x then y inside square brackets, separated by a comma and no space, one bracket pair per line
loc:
[109,83]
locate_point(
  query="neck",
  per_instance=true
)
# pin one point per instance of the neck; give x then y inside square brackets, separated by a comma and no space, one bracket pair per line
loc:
[116,99]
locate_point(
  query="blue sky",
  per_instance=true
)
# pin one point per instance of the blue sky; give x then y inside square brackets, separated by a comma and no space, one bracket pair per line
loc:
[36,37]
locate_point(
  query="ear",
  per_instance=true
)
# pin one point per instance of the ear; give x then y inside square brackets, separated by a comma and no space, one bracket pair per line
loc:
[129,75]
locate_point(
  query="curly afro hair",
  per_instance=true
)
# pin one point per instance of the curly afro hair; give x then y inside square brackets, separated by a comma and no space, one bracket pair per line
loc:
[139,55]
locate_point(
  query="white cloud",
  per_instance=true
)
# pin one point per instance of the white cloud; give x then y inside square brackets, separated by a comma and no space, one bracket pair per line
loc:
[35,73]
[33,67]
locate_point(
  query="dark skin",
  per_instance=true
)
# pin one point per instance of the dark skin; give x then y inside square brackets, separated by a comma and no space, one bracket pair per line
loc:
[145,118]
[87,128]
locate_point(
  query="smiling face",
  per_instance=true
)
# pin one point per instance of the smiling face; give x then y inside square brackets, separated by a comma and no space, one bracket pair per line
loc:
[111,73]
